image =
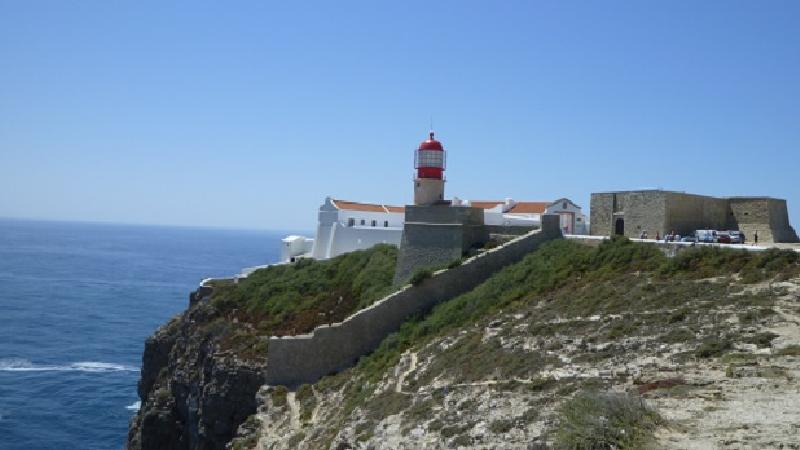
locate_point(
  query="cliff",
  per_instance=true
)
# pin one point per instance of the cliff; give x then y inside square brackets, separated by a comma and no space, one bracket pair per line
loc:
[694,351]
[195,390]
[614,347]
[202,370]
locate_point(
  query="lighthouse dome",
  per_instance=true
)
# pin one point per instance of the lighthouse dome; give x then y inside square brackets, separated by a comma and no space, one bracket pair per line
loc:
[431,144]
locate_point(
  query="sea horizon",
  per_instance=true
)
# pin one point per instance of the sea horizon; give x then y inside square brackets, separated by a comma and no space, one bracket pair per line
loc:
[80,298]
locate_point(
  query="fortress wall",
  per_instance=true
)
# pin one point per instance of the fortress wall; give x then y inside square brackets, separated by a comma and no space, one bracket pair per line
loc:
[293,360]
[426,245]
[444,214]
[665,211]
[601,209]
[686,213]
[644,211]
[641,211]
[782,231]
[768,216]
[433,236]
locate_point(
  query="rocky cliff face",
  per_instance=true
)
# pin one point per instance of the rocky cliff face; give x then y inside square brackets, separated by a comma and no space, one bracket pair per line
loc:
[198,383]
[573,347]
[719,366]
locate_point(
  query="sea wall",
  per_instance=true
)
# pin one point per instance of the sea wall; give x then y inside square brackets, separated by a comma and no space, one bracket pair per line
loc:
[293,360]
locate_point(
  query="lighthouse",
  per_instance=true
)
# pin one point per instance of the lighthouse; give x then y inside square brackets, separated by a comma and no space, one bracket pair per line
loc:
[429,162]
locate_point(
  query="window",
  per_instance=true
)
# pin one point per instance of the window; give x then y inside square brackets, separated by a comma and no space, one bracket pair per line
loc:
[430,158]
[374,223]
[385,223]
[363,222]
[351,222]
[578,219]
[564,205]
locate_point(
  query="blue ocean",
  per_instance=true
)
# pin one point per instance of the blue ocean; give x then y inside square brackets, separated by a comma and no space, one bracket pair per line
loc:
[77,301]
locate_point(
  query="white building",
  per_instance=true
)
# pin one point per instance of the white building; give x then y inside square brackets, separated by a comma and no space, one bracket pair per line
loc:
[509,212]
[573,221]
[345,226]
[293,246]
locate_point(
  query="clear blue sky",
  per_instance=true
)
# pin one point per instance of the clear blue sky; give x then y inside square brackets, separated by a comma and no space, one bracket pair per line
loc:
[247,114]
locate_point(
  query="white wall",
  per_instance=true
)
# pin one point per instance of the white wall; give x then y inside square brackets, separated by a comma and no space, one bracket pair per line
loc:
[571,216]
[348,239]
[395,219]
[293,246]
[335,237]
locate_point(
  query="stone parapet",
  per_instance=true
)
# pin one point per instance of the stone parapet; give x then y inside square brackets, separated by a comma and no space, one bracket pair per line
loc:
[293,360]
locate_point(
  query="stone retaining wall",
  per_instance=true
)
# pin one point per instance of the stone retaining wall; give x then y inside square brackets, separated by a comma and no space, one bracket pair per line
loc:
[293,360]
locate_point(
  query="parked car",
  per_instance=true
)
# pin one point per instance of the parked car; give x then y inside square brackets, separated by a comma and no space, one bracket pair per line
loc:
[707,236]
[688,239]
[723,237]
[737,237]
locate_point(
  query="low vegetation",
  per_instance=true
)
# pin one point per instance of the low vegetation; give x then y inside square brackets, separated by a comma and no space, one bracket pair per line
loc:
[420,275]
[295,298]
[572,280]
[563,307]
[605,420]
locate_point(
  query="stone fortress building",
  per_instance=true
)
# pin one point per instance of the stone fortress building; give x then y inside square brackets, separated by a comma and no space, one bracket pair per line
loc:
[629,213]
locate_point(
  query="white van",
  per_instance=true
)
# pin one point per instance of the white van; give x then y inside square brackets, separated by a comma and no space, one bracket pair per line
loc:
[709,236]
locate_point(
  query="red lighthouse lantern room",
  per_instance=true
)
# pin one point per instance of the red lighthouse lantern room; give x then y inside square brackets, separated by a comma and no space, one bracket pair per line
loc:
[429,160]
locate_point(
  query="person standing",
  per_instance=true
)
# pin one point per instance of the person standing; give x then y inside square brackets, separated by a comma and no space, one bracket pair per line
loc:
[755,238]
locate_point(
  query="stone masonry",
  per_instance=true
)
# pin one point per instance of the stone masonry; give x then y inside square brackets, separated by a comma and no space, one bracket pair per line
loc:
[436,235]
[293,360]
[657,211]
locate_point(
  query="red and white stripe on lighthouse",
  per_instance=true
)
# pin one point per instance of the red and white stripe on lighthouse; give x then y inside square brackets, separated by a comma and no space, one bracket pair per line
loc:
[429,161]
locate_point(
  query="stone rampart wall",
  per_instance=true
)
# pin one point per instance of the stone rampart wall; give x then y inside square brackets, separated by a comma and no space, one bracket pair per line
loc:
[601,209]
[688,212]
[433,236]
[293,360]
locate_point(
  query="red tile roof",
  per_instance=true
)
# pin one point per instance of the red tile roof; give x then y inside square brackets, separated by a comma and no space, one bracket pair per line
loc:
[485,204]
[528,207]
[518,208]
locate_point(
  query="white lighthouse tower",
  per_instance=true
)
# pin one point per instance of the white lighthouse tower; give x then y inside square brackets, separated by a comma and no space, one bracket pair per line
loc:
[429,161]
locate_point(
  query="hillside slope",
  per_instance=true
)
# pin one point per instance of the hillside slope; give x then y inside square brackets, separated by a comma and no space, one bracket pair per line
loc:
[573,347]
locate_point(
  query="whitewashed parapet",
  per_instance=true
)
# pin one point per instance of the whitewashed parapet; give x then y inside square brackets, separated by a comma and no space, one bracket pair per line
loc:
[293,360]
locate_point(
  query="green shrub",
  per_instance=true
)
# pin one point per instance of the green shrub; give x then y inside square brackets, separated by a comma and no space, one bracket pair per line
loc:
[420,275]
[712,347]
[295,298]
[762,340]
[279,395]
[605,420]
[740,358]
[790,350]
[677,335]
[501,426]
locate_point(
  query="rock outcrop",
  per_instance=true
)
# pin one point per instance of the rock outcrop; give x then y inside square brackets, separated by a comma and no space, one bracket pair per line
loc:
[195,390]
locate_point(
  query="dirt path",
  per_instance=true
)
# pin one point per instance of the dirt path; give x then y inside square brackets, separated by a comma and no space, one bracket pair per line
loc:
[294,410]
[412,366]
